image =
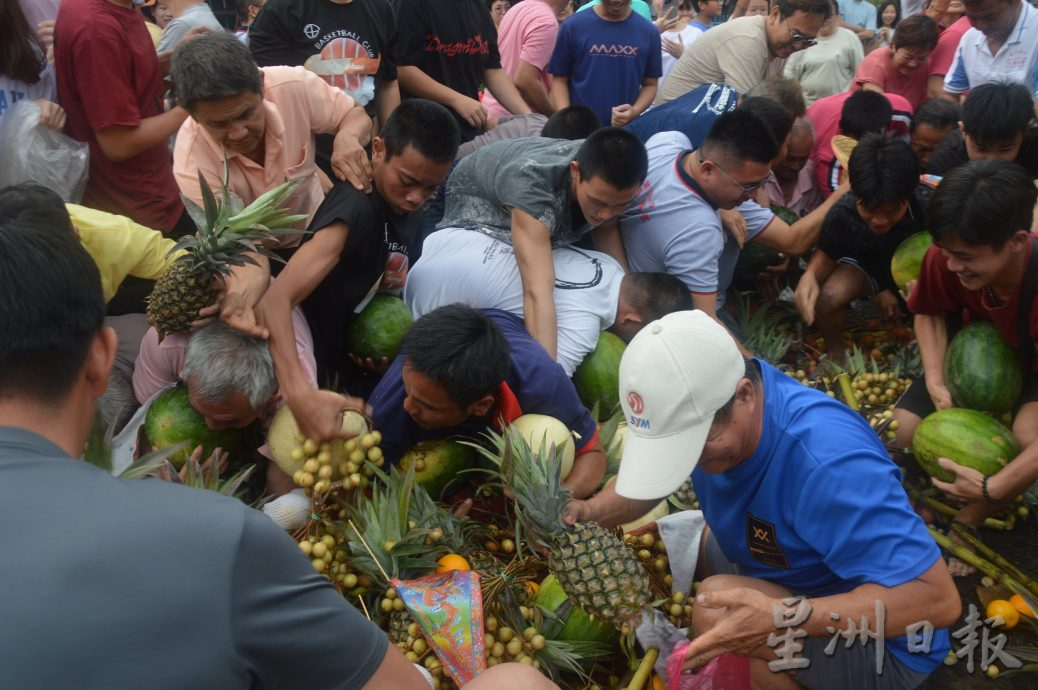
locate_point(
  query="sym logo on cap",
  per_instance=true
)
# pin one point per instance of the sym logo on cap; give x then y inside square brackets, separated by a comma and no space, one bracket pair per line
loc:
[637,407]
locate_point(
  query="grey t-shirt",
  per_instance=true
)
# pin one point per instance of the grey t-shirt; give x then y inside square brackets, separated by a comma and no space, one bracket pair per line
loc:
[196,15]
[529,174]
[145,584]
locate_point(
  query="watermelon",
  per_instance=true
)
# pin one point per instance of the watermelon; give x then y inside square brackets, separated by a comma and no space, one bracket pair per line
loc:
[981,371]
[540,429]
[442,460]
[785,214]
[577,626]
[907,261]
[284,436]
[598,377]
[379,329]
[171,419]
[966,437]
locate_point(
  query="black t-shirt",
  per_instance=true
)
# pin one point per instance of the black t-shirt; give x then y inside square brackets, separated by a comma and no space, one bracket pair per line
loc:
[452,41]
[846,236]
[951,153]
[374,258]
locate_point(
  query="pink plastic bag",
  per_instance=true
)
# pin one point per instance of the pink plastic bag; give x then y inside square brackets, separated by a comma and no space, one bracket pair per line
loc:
[726,672]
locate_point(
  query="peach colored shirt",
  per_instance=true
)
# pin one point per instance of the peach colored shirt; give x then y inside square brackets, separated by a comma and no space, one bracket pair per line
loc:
[298,105]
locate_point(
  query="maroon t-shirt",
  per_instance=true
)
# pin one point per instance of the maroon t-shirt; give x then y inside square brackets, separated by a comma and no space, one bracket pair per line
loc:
[108,74]
[939,291]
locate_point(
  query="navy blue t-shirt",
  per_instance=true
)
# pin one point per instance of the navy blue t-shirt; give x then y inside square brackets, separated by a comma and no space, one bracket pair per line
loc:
[819,507]
[606,61]
[536,384]
[692,114]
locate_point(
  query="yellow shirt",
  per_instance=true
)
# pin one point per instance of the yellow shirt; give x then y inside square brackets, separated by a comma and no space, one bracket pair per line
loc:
[121,247]
[155,31]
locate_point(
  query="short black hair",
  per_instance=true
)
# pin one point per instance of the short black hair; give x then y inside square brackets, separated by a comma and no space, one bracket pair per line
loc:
[37,205]
[211,68]
[982,203]
[427,126]
[788,7]
[242,6]
[572,122]
[918,31]
[615,155]
[788,92]
[773,114]
[997,112]
[460,349]
[740,136]
[51,307]
[883,171]
[865,112]
[939,113]
[655,295]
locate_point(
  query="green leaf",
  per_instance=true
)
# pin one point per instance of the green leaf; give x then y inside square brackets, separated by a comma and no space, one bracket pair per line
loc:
[212,208]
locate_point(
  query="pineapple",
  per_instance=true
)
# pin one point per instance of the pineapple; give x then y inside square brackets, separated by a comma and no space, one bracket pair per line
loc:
[590,562]
[226,234]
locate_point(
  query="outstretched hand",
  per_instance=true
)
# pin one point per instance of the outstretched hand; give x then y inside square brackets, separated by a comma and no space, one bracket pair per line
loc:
[743,628]
[319,414]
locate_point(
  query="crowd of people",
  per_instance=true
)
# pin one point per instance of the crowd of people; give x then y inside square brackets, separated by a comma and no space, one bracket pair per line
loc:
[525,175]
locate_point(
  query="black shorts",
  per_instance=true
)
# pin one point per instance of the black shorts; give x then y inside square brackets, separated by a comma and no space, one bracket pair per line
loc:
[917,399]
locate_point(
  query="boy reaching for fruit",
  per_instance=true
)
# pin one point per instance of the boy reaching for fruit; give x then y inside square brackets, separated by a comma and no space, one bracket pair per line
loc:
[982,266]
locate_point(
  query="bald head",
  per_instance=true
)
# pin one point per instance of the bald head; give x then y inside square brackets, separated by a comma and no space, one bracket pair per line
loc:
[801,140]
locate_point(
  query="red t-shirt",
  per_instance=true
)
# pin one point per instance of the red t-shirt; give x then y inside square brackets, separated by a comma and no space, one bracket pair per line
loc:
[948,42]
[939,292]
[877,69]
[108,74]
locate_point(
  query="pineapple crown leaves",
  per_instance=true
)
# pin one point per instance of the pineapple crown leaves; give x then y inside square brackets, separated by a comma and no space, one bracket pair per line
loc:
[459,533]
[100,451]
[557,657]
[207,476]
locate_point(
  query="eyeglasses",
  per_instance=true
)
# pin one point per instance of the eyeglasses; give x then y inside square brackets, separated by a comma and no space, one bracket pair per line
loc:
[746,188]
[799,40]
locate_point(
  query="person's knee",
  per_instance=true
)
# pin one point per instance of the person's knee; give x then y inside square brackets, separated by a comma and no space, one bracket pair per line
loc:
[511,676]
[832,297]
[704,618]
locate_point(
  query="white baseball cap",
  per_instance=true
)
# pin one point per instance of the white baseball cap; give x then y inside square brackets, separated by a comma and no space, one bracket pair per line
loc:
[674,376]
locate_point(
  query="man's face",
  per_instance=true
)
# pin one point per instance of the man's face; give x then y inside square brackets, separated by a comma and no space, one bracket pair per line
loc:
[428,403]
[615,9]
[796,32]
[234,412]
[406,180]
[977,266]
[925,139]
[727,186]
[797,155]
[908,60]
[237,123]
[993,18]
[730,442]
[882,218]
[1005,151]
[708,9]
[599,201]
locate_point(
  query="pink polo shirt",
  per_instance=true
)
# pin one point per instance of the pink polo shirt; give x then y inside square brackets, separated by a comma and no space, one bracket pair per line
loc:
[947,43]
[878,70]
[806,197]
[527,32]
[298,105]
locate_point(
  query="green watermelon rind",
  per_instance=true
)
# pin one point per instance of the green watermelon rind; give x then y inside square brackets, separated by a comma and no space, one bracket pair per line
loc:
[597,379]
[379,329]
[966,437]
[907,261]
[444,460]
[578,626]
[171,419]
[981,371]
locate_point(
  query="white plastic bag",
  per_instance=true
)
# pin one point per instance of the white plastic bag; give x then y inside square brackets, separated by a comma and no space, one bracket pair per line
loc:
[31,152]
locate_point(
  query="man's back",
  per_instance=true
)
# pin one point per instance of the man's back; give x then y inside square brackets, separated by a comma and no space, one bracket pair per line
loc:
[691,114]
[140,583]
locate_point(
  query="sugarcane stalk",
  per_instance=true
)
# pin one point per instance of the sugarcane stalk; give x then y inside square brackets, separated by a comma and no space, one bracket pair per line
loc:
[641,675]
[966,556]
[949,511]
[848,391]
[985,551]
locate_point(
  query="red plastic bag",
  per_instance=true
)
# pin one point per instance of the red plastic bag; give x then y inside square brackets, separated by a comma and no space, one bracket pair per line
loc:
[726,672]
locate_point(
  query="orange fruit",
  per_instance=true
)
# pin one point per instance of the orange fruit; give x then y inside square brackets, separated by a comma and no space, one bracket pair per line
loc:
[453,561]
[1001,607]
[1020,605]
[657,683]
[531,588]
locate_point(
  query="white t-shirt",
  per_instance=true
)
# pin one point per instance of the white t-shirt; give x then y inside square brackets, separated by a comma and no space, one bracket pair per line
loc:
[827,68]
[669,227]
[688,36]
[470,267]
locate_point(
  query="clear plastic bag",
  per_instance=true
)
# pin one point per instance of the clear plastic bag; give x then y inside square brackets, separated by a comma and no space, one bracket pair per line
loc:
[31,152]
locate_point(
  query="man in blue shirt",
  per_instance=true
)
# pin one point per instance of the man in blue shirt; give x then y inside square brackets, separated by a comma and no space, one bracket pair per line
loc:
[801,499]
[463,371]
[608,59]
[692,114]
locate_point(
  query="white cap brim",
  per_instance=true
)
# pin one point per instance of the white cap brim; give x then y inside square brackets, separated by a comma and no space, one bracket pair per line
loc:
[654,468]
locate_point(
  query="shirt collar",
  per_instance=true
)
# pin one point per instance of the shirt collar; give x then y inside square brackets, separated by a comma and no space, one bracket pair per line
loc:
[15,439]
[689,180]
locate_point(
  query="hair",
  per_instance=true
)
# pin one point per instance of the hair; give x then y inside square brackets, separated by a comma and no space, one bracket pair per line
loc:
[36,205]
[802,126]
[654,295]
[242,7]
[918,31]
[788,7]
[865,112]
[51,304]
[753,373]
[211,68]
[786,92]
[897,19]
[220,361]
[777,118]
[615,155]
[939,113]
[739,135]
[22,57]
[426,126]
[883,171]
[572,122]
[460,349]
[982,203]
[997,112]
